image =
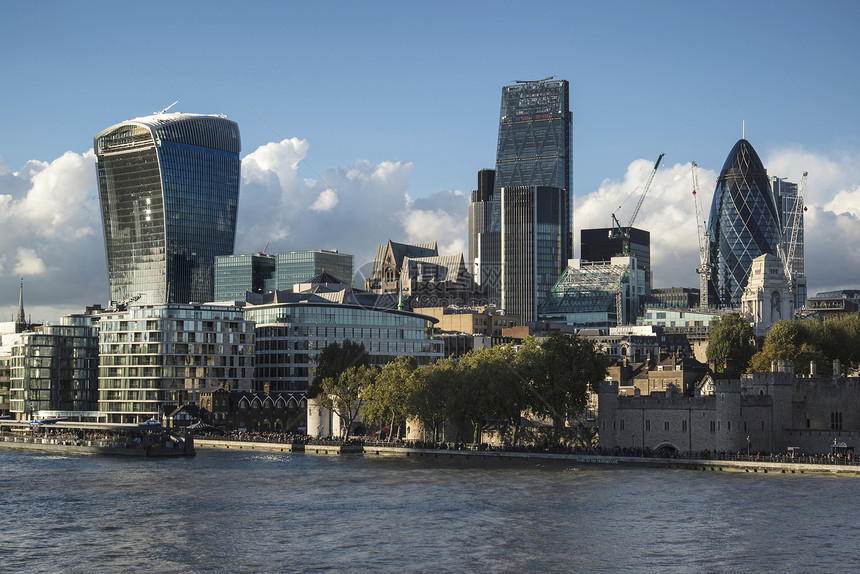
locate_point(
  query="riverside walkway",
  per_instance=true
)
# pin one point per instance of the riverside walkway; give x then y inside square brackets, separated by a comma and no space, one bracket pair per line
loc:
[719,463]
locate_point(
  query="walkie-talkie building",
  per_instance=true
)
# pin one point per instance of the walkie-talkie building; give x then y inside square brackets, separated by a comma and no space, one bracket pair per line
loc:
[744,223]
[169,188]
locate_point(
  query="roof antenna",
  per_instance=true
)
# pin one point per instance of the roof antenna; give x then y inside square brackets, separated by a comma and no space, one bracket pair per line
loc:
[165,109]
[743,129]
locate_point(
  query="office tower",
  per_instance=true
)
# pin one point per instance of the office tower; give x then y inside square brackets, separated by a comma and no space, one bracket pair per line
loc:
[785,197]
[743,224]
[479,220]
[235,275]
[601,245]
[169,187]
[535,244]
[299,266]
[533,152]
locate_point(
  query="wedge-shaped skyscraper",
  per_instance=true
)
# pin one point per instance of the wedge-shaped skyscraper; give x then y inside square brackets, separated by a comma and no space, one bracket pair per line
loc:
[169,187]
[744,223]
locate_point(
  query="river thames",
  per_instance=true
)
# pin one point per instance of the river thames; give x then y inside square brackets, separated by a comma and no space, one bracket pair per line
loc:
[261,512]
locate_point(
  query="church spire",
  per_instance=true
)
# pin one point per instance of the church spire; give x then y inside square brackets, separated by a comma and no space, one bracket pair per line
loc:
[21,318]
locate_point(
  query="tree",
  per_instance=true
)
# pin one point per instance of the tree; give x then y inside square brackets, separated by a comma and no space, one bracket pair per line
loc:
[343,395]
[334,360]
[730,338]
[787,333]
[800,355]
[386,400]
[562,369]
[429,396]
[499,386]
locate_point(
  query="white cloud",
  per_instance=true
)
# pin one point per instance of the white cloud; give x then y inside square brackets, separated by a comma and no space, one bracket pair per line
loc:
[326,201]
[351,208]
[668,212]
[49,214]
[29,263]
[51,222]
[832,221]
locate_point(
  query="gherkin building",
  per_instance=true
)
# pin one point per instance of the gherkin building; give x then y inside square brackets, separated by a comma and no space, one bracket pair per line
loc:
[743,224]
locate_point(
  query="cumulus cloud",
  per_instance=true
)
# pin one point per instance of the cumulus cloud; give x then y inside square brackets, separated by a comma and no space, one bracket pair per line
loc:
[439,217]
[326,201]
[668,212]
[51,222]
[49,214]
[29,263]
[350,208]
[832,219]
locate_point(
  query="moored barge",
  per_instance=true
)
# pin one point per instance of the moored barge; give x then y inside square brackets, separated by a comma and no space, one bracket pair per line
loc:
[64,437]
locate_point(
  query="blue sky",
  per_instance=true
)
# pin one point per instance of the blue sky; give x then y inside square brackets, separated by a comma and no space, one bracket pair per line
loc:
[398,98]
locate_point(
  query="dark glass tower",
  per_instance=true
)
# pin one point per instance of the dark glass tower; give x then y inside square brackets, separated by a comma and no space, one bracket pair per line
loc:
[534,242]
[535,124]
[744,223]
[169,188]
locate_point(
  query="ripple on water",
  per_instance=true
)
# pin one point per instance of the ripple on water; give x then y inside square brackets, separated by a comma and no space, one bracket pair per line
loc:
[253,512]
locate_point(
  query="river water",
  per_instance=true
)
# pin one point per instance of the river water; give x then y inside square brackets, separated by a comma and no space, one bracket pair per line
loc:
[250,511]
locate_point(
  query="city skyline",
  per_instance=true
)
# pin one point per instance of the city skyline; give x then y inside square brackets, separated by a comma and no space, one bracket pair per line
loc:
[340,155]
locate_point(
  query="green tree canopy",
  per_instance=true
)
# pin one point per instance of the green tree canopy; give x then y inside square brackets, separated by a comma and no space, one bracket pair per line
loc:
[497,385]
[800,355]
[386,399]
[343,395]
[562,369]
[731,337]
[334,360]
[430,397]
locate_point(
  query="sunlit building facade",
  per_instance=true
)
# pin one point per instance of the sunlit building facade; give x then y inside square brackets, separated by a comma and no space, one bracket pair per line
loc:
[156,358]
[169,188]
[290,337]
[744,223]
[55,369]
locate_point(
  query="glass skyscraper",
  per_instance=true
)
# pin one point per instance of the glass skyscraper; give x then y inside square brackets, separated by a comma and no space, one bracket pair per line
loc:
[299,266]
[785,196]
[534,151]
[235,275]
[169,188]
[744,223]
[534,246]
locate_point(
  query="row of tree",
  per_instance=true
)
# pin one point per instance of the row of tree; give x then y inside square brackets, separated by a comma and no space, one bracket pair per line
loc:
[801,342]
[548,379]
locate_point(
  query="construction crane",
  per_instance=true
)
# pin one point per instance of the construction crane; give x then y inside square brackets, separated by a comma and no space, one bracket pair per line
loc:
[624,232]
[704,268]
[789,249]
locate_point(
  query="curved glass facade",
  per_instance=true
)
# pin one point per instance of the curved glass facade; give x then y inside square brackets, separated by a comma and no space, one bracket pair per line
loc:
[743,223]
[169,189]
[290,337]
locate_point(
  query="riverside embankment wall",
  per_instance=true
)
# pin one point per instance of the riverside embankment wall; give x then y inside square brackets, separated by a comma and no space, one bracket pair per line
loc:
[756,467]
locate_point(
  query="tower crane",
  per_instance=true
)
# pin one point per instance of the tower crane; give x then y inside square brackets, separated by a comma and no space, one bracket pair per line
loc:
[789,249]
[704,268]
[624,232]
